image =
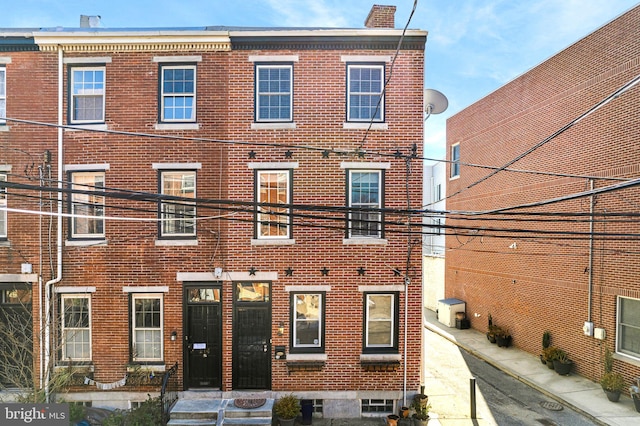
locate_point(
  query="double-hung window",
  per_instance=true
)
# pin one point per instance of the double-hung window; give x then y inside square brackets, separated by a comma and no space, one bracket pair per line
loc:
[274,92]
[365,92]
[3,95]
[273,215]
[381,322]
[628,335]
[365,203]
[87,95]
[146,327]
[87,207]
[76,327]
[178,209]
[307,311]
[178,93]
[455,160]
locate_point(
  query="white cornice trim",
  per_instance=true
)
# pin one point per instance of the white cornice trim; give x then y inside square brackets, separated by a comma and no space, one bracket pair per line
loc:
[149,41]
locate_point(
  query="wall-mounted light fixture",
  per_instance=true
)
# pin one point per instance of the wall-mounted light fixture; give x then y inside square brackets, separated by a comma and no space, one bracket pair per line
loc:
[280,328]
[174,335]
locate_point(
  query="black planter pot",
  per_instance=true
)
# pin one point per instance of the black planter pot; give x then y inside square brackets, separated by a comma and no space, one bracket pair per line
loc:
[636,401]
[503,341]
[562,368]
[613,396]
[491,337]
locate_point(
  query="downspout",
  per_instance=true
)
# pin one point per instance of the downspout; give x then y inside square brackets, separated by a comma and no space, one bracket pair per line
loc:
[591,212]
[49,285]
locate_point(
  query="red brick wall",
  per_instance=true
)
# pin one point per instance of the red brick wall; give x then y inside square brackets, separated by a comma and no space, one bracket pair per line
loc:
[225,113]
[543,284]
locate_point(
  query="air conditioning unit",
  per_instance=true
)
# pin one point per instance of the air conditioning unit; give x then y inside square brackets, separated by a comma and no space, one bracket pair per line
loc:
[447,309]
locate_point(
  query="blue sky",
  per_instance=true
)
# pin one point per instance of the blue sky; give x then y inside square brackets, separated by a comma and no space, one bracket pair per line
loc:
[473,47]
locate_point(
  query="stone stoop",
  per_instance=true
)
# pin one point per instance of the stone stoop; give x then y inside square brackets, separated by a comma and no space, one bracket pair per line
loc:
[194,410]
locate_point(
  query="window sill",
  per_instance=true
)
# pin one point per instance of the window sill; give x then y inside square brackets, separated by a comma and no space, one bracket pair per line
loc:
[156,368]
[627,358]
[81,367]
[83,127]
[365,126]
[273,242]
[4,128]
[85,243]
[273,126]
[177,126]
[379,362]
[305,362]
[365,241]
[174,243]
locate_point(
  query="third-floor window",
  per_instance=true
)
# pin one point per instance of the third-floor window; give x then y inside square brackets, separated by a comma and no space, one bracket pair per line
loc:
[178,93]
[87,95]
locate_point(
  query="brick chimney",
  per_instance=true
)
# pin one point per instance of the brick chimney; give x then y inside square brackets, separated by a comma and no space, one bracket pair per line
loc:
[381,17]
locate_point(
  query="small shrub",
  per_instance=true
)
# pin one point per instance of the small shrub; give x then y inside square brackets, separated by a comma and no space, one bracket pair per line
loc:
[287,407]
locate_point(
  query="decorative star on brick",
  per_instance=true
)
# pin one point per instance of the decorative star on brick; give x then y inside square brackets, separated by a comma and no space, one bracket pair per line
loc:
[252,271]
[324,271]
[252,154]
[361,270]
[288,154]
[361,153]
[325,153]
[288,272]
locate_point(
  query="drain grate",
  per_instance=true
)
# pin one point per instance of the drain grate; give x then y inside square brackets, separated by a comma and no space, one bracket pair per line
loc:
[551,405]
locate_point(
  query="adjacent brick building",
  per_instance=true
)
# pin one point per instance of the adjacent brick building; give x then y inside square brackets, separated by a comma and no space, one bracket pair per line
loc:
[546,236]
[231,200]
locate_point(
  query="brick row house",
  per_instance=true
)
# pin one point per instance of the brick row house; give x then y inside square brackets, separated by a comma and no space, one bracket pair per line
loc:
[546,237]
[231,200]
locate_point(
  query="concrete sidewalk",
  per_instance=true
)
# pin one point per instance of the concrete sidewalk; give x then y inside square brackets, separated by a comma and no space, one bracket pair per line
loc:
[574,391]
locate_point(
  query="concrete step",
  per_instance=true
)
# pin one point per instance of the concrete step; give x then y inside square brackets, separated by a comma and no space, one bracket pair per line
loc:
[247,421]
[196,409]
[231,411]
[192,422]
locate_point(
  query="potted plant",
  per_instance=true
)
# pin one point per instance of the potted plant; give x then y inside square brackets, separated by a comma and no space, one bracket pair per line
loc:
[612,383]
[503,338]
[287,409]
[421,406]
[546,342]
[491,330]
[550,354]
[561,363]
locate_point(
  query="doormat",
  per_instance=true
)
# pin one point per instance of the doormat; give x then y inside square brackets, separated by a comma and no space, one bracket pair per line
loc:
[249,403]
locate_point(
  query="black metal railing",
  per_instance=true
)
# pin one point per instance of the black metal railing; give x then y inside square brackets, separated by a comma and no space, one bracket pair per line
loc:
[169,391]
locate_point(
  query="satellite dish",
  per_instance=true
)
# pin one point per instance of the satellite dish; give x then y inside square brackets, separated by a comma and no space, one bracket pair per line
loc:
[434,102]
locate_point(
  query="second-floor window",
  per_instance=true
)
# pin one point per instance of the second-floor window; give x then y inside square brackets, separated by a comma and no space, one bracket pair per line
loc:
[365,202]
[3,94]
[273,191]
[87,95]
[178,93]
[274,93]
[365,98]
[178,216]
[87,208]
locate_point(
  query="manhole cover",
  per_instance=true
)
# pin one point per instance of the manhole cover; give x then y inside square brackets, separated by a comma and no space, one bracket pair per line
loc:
[550,405]
[249,403]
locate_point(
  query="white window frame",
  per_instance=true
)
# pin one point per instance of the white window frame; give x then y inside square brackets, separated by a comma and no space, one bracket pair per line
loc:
[306,347]
[167,217]
[370,347]
[3,94]
[620,328]
[269,94]
[350,93]
[284,217]
[66,330]
[3,207]
[90,92]
[455,160]
[159,331]
[95,203]
[165,96]
[378,217]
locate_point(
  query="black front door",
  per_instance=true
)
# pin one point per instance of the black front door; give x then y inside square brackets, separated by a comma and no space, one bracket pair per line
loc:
[203,331]
[252,336]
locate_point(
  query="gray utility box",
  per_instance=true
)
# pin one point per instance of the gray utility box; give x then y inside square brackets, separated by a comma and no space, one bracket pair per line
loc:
[447,309]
